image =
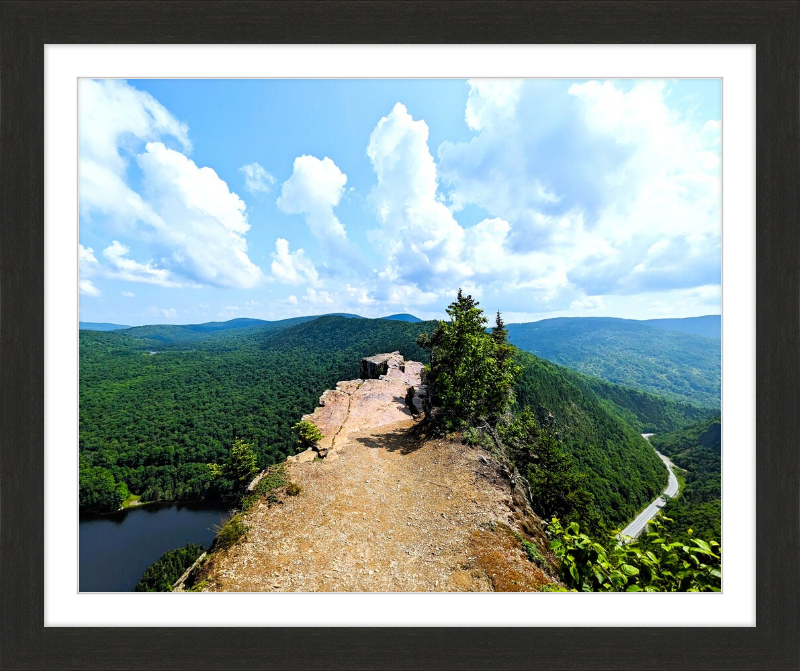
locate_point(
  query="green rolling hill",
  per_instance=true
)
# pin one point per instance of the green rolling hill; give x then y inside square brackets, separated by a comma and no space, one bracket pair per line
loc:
[152,422]
[684,367]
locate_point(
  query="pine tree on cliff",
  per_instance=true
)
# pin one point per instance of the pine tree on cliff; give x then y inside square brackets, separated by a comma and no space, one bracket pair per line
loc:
[472,373]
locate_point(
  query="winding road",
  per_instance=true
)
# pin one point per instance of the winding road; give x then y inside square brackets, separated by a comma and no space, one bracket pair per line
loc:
[638,525]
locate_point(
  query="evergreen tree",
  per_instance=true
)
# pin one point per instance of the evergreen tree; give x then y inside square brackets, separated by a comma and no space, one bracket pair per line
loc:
[472,372]
[557,487]
[241,466]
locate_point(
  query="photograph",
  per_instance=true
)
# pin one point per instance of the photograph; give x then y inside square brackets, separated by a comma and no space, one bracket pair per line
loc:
[399,335]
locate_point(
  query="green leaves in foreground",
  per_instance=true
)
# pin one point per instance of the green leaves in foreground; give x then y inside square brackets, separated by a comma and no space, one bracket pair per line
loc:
[655,564]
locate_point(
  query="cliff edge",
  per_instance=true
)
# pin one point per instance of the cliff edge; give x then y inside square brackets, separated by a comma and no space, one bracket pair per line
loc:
[385,511]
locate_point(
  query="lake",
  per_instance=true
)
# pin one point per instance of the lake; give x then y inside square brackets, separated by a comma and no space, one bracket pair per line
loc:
[116,549]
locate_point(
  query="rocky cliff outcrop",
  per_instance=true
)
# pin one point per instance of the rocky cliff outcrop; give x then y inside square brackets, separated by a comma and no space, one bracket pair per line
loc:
[369,402]
[385,511]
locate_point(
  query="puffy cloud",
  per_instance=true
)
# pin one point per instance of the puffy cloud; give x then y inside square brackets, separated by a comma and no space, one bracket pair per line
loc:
[88,266]
[430,254]
[609,187]
[588,303]
[113,119]
[257,179]
[128,294]
[185,213]
[491,101]
[314,189]
[292,267]
[317,298]
[423,237]
[201,224]
[124,268]
[167,313]
[87,288]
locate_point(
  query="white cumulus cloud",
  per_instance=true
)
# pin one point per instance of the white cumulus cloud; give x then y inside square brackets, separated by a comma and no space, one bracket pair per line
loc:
[604,186]
[123,268]
[314,189]
[292,267]
[185,213]
[257,179]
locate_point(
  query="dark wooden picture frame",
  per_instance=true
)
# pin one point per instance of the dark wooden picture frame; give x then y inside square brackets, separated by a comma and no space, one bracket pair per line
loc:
[774,27]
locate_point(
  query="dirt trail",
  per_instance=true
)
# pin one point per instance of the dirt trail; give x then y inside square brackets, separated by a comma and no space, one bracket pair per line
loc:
[383,513]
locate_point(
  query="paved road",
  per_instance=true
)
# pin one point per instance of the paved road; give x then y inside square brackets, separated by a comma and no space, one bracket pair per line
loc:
[638,525]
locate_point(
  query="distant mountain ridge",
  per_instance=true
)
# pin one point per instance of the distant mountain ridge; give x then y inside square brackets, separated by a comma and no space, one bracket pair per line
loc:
[100,326]
[709,326]
[672,363]
[239,322]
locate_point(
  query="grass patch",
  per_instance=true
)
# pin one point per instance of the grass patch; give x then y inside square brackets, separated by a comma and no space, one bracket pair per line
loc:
[293,489]
[131,501]
[230,532]
[532,552]
[274,478]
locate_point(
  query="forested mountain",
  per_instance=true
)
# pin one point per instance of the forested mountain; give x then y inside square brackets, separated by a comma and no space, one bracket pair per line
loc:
[153,421]
[709,326]
[698,450]
[624,473]
[680,366]
[645,412]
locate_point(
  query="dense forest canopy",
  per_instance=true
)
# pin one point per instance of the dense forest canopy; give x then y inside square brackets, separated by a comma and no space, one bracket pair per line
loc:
[149,423]
[673,364]
[153,421]
[623,471]
[697,449]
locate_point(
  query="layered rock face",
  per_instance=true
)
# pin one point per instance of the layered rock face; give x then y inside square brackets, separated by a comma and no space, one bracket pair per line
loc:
[372,367]
[377,399]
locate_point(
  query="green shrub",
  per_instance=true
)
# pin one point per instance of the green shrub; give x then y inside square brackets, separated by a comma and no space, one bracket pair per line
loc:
[274,478]
[308,434]
[293,489]
[655,565]
[230,532]
[531,551]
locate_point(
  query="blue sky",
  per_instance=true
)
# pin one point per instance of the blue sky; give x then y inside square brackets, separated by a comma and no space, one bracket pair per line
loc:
[205,200]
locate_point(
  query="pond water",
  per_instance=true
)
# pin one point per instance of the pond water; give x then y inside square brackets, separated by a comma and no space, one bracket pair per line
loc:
[116,549]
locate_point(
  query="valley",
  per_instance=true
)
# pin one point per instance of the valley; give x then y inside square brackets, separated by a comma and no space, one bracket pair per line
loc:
[150,424]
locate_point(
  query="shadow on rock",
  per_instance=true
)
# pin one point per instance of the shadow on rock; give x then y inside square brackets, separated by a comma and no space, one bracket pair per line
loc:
[398,440]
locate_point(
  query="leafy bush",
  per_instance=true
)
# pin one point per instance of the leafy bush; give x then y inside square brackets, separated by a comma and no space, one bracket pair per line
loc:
[162,574]
[531,551]
[308,434]
[657,565]
[293,489]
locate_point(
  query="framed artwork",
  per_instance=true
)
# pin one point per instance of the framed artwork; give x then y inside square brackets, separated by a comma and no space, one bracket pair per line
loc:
[158,55]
